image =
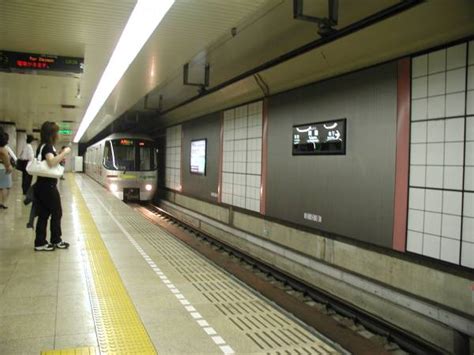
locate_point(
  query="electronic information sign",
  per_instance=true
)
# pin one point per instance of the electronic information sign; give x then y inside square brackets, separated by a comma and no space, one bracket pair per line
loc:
[320,138]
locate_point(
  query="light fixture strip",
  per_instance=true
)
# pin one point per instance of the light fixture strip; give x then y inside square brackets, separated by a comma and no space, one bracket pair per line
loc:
[145,17]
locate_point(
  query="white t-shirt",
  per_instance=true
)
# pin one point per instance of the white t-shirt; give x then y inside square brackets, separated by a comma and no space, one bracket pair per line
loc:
[27,153]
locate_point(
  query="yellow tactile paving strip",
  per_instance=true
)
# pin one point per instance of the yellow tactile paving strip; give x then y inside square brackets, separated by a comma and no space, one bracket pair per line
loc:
[118,325]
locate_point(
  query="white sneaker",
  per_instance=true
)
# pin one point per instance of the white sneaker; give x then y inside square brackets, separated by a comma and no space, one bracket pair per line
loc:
[46,247]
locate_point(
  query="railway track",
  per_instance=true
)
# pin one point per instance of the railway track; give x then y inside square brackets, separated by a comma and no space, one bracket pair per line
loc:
[352,328]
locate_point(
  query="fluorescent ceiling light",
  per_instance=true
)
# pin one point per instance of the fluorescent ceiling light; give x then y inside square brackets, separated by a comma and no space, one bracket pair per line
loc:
[145,17]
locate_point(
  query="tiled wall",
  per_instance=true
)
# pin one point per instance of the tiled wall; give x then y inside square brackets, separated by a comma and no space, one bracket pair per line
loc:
[242,152]
[441,195]
[173,158]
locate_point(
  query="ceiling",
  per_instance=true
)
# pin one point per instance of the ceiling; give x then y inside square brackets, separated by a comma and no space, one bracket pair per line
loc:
[65,28]
[90,29]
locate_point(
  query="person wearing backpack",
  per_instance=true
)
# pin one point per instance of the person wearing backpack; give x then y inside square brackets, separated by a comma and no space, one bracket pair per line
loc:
[47,198]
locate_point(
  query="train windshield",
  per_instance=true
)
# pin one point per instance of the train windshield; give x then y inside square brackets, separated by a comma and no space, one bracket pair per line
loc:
[129,155]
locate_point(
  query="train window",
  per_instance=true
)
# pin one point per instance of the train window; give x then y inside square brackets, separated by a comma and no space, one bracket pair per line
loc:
[108,157]
[147,155]
[123,151]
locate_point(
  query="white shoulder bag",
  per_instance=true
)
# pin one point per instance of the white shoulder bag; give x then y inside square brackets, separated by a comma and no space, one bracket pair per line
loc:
[38,167]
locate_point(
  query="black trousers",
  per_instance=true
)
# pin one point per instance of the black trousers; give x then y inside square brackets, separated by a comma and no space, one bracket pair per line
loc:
[48,204]
[25,181]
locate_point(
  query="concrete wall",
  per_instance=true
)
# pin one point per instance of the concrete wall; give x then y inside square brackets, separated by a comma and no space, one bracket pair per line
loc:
[353,193]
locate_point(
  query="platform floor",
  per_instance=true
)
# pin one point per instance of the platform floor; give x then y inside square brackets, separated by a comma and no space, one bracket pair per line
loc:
[127,286]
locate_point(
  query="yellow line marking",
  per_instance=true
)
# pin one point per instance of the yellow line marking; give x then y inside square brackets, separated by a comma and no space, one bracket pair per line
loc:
[75,351]
[118,325]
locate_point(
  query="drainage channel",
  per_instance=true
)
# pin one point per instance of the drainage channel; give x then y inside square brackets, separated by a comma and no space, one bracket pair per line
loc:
[353,329]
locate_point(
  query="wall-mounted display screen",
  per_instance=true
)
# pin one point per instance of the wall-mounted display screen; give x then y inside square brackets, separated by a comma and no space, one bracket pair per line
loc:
[320,138]
[198,156]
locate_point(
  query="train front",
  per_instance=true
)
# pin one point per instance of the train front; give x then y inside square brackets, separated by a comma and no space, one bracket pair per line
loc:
[131,168]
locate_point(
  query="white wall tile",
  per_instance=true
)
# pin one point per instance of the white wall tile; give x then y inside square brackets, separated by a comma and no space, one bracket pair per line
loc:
[418,132]
[419,109]
[437,84]
[433,200]
[415,220]
[417,199]
[454,153]
[452,202]
[415,242]
[432,224]
[470,77]
[468,229]
[451,226]
[469,128]
[450,250]
[436,131]
[470,103]
[467,255]
[471,52]
[454,130]
[468,204]
[456,56]
[470,153]
[456,80]
[435,154]
[434,176]
[419,87]
[437,61]
[419,66]
[469,178]
[418,154]
[431,246]
[417,175]
[455,104]
[453,177]
[436,107]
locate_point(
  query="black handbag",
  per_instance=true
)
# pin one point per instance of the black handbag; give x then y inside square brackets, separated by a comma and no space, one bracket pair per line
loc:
[21,165]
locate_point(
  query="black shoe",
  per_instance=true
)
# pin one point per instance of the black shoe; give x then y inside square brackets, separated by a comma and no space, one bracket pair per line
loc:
[3,207]
[46,247]
[62,245]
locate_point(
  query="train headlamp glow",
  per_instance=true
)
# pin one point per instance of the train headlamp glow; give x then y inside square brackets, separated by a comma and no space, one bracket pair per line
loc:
[113,187]
[148,187]
[145,17]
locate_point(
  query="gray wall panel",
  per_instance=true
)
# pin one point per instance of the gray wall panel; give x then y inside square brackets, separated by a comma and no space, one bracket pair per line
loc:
[354,193]
[195,185]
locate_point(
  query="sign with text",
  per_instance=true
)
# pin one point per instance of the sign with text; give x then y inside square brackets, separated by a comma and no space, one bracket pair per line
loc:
[320,138]
[198,157]
[40,62]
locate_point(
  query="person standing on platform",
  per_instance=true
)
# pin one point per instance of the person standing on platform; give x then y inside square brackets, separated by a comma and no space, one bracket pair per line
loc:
[48,201]
[25,157]
[6,169]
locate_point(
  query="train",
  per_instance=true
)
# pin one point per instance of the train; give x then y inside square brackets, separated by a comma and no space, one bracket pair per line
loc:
[126,164]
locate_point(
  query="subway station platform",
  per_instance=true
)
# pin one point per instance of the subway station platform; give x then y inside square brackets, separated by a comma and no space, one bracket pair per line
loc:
[126,286]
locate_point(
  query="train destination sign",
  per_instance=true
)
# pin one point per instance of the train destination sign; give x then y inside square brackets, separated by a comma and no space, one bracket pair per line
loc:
[320,138]
[10,61]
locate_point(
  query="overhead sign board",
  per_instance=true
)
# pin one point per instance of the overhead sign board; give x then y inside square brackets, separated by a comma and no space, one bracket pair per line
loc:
[18,61]
[320,138]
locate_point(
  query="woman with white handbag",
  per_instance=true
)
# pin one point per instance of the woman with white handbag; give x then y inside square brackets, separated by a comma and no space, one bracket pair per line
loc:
[48,202]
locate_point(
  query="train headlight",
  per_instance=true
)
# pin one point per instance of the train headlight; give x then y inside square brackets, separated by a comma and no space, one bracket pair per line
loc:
[148,187]
[113,187]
